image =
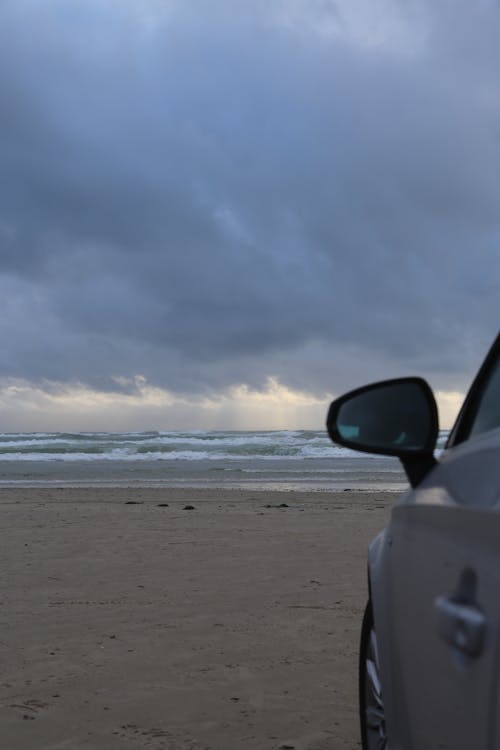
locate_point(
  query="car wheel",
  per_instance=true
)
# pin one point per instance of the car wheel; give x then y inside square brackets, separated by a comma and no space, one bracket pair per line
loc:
[371,706]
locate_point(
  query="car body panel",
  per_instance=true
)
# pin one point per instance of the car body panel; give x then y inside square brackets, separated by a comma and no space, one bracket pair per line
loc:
[444,695]
[470,472]
[448,524]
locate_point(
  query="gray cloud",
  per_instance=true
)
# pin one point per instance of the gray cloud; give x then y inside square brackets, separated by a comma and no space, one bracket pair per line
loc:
[207,196]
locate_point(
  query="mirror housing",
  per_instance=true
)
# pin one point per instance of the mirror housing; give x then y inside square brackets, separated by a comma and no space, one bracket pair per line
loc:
[392,418]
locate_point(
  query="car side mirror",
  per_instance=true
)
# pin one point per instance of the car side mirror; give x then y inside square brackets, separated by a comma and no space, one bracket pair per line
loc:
[393,418]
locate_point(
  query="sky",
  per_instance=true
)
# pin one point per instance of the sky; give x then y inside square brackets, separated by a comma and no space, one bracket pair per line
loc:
[220,214]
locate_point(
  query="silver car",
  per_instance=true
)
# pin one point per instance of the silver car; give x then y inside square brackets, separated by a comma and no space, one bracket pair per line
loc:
[429,675]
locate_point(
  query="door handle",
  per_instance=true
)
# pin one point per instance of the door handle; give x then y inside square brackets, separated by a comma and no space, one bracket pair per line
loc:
[461,625]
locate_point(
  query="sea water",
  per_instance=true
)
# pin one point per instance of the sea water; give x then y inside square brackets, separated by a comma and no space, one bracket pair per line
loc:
[286,459]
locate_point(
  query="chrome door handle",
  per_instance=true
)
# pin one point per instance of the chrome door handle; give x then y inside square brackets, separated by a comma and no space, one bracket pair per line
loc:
[461,625]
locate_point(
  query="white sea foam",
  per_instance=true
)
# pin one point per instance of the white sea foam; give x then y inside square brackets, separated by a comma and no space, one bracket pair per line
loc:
[173,446]
[261,460]
[124,455]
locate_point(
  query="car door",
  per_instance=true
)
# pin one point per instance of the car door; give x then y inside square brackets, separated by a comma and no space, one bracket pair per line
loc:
[443,589]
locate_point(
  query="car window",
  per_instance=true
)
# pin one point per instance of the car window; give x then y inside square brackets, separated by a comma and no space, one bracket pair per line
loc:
[487,416]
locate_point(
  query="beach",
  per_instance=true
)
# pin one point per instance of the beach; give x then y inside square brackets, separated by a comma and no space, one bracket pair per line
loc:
[183,618]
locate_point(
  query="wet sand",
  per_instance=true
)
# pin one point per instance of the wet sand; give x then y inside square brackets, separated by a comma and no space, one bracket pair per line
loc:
[232,625]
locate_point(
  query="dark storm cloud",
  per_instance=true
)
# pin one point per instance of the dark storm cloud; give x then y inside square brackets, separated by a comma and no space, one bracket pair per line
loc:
[208,197]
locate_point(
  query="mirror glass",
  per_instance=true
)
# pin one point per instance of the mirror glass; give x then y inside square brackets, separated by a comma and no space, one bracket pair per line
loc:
[396,416]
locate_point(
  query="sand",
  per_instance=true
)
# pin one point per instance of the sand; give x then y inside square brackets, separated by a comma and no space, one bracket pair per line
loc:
[232,625]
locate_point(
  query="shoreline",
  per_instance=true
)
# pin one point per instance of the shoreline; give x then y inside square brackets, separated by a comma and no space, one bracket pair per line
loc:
[129,621]
[213,489]
[249,473]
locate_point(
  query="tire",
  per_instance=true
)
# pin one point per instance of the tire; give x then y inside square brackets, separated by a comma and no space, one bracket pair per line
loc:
[371,707]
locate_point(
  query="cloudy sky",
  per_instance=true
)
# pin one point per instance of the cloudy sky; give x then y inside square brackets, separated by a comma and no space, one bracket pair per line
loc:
[221,213]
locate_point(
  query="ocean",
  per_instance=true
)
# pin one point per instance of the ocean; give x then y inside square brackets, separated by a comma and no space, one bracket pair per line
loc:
[280,460]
